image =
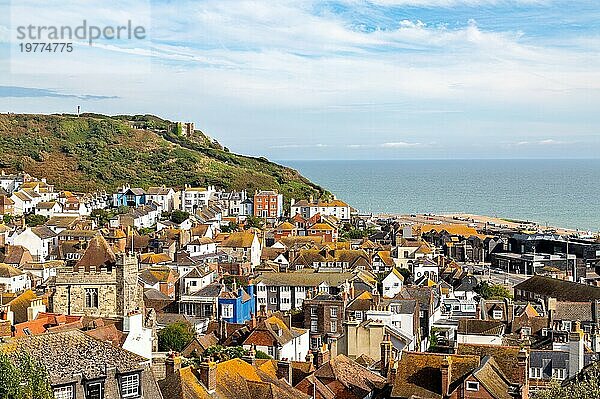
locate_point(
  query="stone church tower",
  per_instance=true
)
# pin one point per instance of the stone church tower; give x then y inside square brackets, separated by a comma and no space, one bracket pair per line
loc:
[100,284]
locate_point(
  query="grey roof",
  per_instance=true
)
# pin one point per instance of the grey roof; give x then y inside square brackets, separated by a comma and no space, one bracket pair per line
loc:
[560,289]
[69,353]
[581,311]
[211,290]
[43,232]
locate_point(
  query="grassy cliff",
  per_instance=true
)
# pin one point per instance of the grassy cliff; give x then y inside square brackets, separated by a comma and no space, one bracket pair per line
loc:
[102,152]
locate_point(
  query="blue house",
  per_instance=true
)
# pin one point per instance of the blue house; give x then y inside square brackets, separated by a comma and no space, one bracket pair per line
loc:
[127,196]
[238,304]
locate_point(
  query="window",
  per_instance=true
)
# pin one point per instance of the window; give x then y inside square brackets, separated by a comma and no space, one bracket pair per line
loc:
[566,325]
[498,314]
[271,351]
[334,312]
[333,326]
[130,385]
[526,330]
[91,297]
[313,310]
[559,374]
[472,386]
[64,392]
[358,315]
[273,301]
[273,289]
[262,288]
[535,372]
[94,390]
[227,310]
[314,324]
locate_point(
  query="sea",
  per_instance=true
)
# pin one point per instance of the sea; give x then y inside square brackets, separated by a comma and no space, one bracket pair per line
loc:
[561,193]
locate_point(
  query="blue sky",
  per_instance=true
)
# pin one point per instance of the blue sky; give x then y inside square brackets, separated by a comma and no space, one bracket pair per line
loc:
[347,79]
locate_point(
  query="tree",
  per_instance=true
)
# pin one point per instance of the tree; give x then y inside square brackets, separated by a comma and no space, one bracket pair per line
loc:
[254,221]
[35,220]
[175,336]
[101,215]
[230,228]
[178,216]
[262,355]
[492,291]
[23,378]
[222,353]
[7,219]
[585,386]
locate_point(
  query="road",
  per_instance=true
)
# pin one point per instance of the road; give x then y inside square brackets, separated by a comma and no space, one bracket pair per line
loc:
[483,273]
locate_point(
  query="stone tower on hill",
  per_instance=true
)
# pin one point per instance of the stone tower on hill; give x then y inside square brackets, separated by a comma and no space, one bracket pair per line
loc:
[101,284]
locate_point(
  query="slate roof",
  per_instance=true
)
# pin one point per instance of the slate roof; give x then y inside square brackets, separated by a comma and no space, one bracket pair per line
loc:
[66,354]
[480,327]
[581,311]
[560,289]
[308,278]
[43,232]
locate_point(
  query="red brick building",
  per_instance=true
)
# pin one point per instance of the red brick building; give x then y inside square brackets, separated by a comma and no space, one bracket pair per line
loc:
[268,205]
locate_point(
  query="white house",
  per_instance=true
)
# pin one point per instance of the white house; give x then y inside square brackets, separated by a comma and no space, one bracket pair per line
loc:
[275,338]
[392,283]
[40,241]
[201,246]
[25,202]
[336,208]
[48,209]
[194,198]
[243,246]
[13,279]
[163,196]
[399,315]
[139,338]
[42,270]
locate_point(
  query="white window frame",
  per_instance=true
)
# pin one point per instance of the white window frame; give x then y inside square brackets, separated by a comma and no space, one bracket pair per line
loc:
[334,311]
[497,314]
[130,386]
[64,392]
[472,386]
[535,373]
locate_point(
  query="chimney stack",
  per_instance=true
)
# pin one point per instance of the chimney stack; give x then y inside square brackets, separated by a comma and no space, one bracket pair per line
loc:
[208,375]
[576,356]
[172,365]
[322,355]
[284,371]
[446,375]
[523,365]
[386,354]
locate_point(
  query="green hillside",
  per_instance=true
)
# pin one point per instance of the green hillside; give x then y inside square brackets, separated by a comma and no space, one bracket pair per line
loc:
[94,152]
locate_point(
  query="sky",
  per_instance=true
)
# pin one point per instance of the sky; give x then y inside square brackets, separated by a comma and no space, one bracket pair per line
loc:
[345,79]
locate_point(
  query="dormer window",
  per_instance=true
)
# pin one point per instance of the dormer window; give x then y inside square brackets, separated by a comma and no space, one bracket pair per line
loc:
[94,390]
[64,392]
[130,385]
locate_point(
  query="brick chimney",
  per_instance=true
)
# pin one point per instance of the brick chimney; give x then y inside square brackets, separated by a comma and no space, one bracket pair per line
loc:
[284,371]
[523,365]
[207,372]
[446,375]
[322,355]
[172,365]
[386,354]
